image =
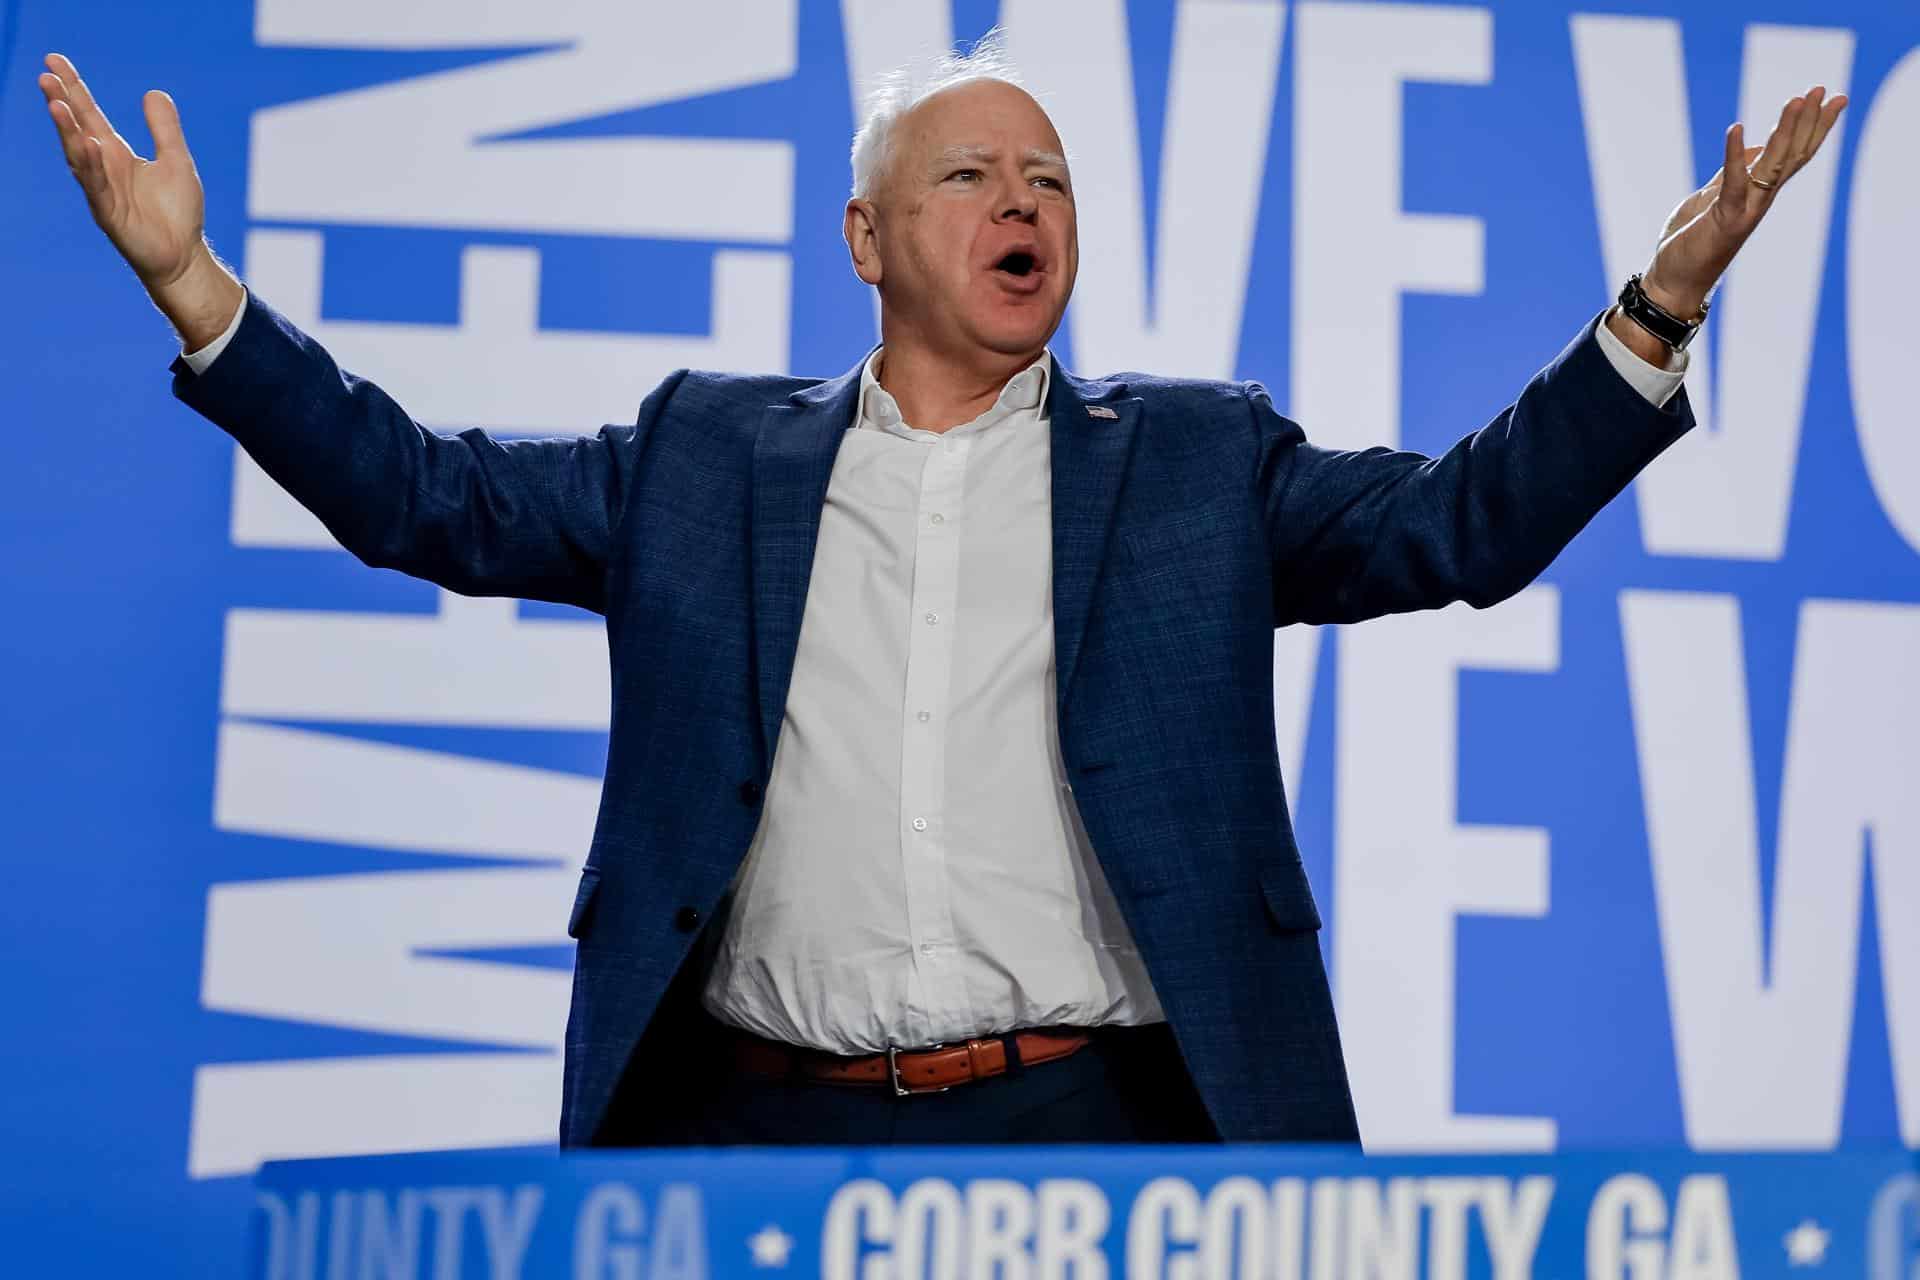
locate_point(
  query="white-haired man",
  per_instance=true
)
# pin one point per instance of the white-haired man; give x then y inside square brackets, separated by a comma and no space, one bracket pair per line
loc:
[1020,868]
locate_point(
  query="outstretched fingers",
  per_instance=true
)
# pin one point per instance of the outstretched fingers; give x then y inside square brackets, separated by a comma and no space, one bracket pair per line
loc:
[85,110]
[163,122]
[1776,160]
[1801,143]
[1829,116]
[83,154]
[1804,124]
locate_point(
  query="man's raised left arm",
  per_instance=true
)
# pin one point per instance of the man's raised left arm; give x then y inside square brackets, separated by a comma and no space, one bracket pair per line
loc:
[1354,535]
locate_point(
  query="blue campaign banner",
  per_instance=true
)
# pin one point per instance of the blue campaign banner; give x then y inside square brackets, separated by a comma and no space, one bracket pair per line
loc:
[1631,859]
[1078,1213]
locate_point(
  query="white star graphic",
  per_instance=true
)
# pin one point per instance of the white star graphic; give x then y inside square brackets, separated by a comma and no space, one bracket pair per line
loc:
[1807,1244]
[770,1246]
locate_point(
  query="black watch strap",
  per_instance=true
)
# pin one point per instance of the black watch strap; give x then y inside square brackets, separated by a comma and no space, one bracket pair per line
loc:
[1656,319]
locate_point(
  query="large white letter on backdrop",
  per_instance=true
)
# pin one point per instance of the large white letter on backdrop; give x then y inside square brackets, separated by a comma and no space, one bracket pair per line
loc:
[354,951]
[421,152]
[415,154]
[1763,1010]
[1226,55]
[1726,487]
[1407,869]
[1354,250]
[427,152]
[1883,278]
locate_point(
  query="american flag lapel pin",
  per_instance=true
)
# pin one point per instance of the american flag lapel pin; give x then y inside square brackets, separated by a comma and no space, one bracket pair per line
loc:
[1100,411]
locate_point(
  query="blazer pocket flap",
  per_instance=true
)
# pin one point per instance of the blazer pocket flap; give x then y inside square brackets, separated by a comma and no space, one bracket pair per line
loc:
[583,902]
[1288,896]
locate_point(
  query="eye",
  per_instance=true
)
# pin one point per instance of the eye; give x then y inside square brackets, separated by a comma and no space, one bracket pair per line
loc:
[968,175]
[1055,183]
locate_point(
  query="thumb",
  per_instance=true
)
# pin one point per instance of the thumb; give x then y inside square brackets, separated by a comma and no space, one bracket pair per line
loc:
[163,122]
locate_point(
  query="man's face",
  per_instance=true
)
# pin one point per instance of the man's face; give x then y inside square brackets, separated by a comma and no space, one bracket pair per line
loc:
[974,236]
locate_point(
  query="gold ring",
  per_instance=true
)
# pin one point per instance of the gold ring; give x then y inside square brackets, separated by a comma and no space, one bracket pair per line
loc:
[1762,183]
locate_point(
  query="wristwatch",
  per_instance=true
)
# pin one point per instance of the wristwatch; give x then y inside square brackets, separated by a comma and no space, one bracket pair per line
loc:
[1656,319]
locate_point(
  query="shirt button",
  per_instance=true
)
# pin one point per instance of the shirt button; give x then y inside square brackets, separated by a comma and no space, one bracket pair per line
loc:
[938,518]
[926,715]
[932,618]
[927,948]
[919,824]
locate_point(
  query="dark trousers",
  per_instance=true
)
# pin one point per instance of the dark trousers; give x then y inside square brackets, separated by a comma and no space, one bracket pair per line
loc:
[1129,1085]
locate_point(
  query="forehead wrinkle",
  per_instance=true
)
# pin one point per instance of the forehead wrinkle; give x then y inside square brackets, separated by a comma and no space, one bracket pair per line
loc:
[965,151]
[976,151]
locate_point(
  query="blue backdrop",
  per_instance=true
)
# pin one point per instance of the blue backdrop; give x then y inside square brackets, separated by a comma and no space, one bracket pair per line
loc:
[290,841]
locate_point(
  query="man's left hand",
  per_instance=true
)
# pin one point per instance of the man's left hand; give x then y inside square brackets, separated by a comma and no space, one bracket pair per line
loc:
[1709,226]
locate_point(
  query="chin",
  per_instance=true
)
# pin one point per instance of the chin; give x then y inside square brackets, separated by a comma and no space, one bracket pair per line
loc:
[1017,337]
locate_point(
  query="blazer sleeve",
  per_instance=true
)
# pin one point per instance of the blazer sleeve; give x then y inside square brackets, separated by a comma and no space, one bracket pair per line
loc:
[477,515]
[1359,534]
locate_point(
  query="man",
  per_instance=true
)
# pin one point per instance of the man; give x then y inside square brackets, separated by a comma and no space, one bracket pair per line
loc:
[1020,868]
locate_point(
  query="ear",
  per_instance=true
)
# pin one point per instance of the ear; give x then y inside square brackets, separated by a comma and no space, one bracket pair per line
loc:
[858,228]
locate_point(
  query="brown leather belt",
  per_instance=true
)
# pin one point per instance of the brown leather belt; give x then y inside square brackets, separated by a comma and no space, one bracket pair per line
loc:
[906,1071]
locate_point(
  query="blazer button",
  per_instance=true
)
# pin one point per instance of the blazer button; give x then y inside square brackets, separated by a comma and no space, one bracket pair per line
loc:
[686,919]
[750,793]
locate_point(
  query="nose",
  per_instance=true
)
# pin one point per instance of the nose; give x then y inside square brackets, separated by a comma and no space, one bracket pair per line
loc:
[1019,204]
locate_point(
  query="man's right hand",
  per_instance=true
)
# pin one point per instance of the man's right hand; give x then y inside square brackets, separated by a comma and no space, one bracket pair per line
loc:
[154,211]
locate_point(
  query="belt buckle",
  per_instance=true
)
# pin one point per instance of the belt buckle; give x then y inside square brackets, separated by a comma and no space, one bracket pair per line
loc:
[900,1090]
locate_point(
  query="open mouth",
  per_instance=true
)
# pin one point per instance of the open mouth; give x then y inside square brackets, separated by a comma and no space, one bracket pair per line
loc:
[1020,272]
[1017,263]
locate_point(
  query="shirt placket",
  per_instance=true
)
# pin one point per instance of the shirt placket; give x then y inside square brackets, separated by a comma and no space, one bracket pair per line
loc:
[925,713]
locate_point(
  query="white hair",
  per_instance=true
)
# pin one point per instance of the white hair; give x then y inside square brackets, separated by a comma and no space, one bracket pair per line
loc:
[898,92]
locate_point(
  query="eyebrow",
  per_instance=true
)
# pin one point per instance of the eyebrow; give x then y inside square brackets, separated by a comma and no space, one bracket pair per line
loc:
[967,151]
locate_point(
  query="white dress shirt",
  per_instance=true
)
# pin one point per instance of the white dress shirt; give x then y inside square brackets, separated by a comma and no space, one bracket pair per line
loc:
[920,873]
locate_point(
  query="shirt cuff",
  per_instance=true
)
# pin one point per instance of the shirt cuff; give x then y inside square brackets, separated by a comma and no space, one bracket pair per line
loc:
[1655,385]
[199,360]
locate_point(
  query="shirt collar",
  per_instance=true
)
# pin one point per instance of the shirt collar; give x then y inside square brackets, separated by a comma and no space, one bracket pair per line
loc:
[1026,390]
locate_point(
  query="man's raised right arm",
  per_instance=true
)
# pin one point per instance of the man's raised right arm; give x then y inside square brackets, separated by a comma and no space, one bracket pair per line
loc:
[530,518]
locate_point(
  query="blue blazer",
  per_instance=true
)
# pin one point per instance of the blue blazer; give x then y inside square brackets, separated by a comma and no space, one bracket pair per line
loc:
[1190,519]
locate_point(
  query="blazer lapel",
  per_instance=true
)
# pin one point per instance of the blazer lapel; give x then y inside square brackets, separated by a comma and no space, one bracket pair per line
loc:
[792,462]
[1090,452]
